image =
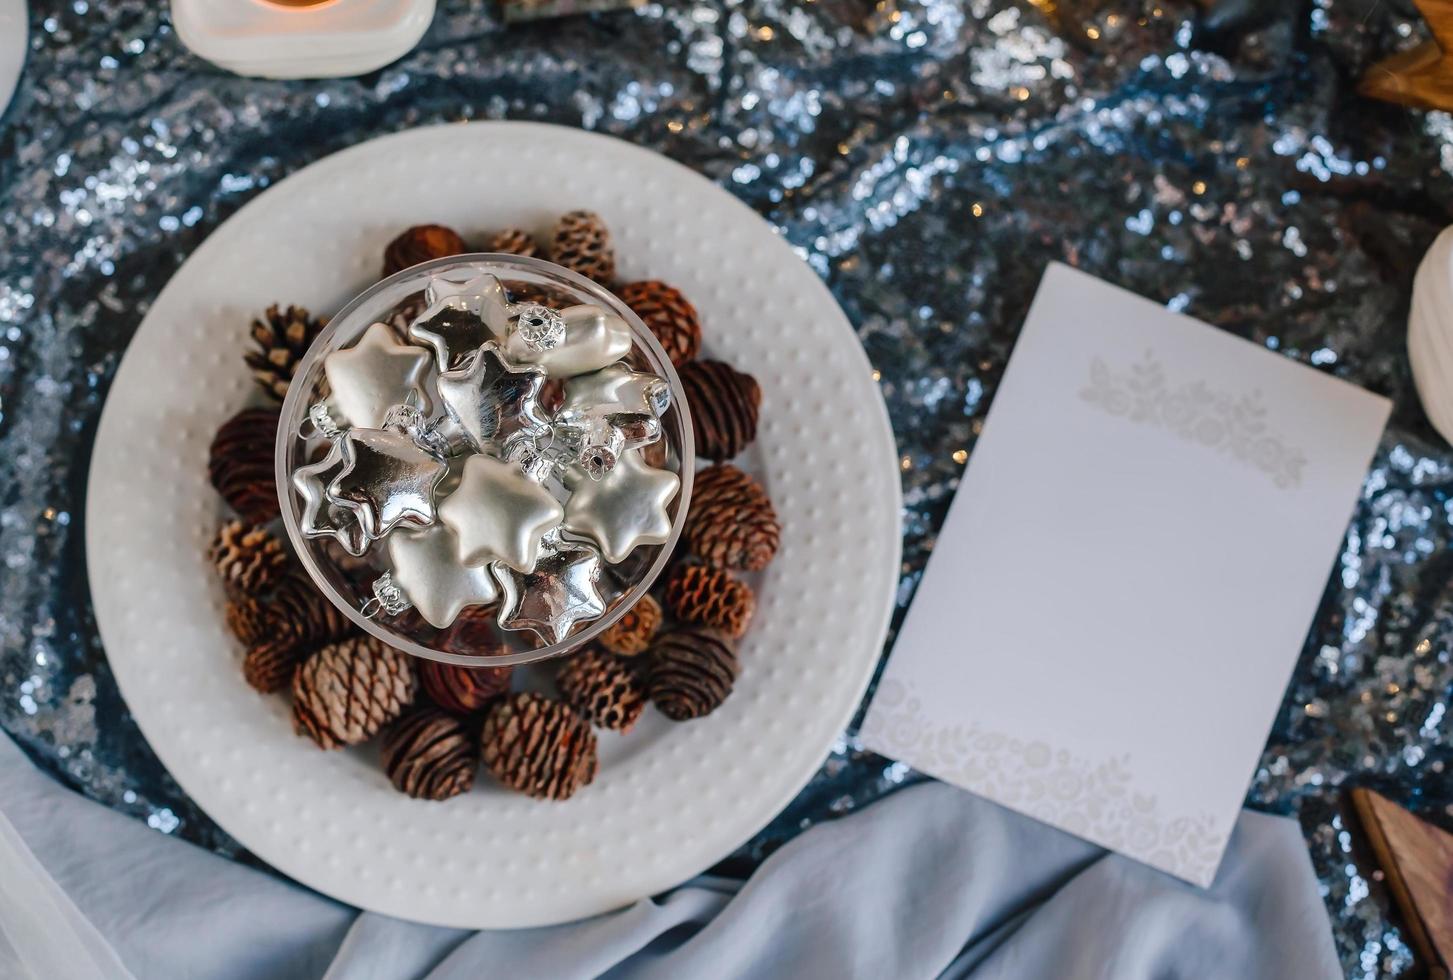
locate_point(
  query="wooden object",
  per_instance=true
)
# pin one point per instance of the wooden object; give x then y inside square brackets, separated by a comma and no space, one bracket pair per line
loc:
[1418,861]
[1423,76]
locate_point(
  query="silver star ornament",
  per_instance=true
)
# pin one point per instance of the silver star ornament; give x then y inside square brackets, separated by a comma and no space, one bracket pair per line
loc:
[461,317]
[491,399]
[607,413]
[376,374]
[426,567]
[322,516]
[499,514]
[625,509]
[386,480]
[561,592]
[592,339]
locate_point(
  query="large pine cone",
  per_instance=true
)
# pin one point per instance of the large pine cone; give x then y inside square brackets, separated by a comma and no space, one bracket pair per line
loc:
[724,407]
[429,755]
[582,244]
[668,314]
[731,522]
[420,244]
[602,688]
[249,560]
[538,746]
[632,633]
[281,337]
[692,672]
[710,596]
[345,692]
[513,241]
[240,464]
[463,690]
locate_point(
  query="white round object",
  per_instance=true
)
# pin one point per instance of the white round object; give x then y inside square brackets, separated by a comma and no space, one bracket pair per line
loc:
[1430,333]
[670,799]
[14,31]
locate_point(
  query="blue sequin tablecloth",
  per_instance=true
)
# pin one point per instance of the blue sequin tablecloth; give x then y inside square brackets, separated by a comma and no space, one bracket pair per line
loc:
[927,158]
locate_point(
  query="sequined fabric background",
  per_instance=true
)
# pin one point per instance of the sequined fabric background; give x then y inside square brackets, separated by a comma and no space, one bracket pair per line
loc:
[927,159]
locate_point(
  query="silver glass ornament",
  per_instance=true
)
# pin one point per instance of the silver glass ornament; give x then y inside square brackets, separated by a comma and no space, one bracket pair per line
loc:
[461,317]
[322,516]
[426,567]
[375,374]
[625,509]
[538,326]
[593,339]
[387,479]
[499,513]
[592,444]
[607,413]
[491,399]
[561,591]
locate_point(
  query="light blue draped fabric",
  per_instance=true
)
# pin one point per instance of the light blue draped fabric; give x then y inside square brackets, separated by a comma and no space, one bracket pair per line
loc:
[928,882]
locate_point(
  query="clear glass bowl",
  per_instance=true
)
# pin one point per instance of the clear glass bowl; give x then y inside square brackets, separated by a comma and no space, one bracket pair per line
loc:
[348,581]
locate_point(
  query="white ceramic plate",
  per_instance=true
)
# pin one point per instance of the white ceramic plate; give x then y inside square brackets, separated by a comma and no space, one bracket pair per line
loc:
[670,800]
[14,31]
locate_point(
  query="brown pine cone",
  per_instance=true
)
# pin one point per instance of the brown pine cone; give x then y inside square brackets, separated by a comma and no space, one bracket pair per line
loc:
[240,464]
[249,559]
[281,337]
[538,746]
[692,672]
[513,241]
[731,522]
[269,666]
[724,407]
[710,596]
[463,690]
[473,633]
[632,633]
[301,615]
[582,244]
[668,314]
[420,244]
[429,755]
[602,688]
[247,618]
[345,692]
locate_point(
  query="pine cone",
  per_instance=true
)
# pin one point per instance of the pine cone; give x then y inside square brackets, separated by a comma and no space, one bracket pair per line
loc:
[582,244]
[271,665]
[602,688]
[240,464]
[632,633]
[249,559]
[463,690]
[731,522]
[538,746]
[710,596]
[473,633]
[301,615]
[282,337]
[724,407]
[429,755]
[692,672]
[420,244]
[668,314]
[247,618]
[513,241]
[345,692]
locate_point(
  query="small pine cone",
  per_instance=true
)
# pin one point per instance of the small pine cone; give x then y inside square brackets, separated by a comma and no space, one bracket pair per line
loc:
[345,692]
[249,559]
[247,618]
[582,244]
[473,633]
[668,314]
[429,755]
[538,746]
[602,688]
[710,596]
[632,633]
[281,337]
[724,407]
[270,665]
[731,522]
[463,690]
[240,464]
[513,241]
[302,615]
[420,244]
[692,672]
